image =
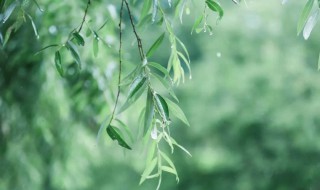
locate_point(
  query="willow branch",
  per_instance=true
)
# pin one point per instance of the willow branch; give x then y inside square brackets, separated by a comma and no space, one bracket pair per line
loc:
[142,56]
[85,15]
[120,62]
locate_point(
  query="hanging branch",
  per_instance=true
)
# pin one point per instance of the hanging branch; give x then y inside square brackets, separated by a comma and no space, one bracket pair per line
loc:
[85,15]
[142,56]
[120,62]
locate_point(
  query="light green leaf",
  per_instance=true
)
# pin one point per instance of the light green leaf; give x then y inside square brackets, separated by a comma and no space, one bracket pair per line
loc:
[215,6]
[167,138]
[35,30]
[170,170]
[197,23]
[167,159]
[155,45]
[149,112]
[312,21]
[304,16]
[74,52]
[145,8]
[150,167]
[181,147]
[162,107]
[176,111]
[95,48]
[159,68]
[154,10]
[57,61]
[79,39]
[102,128]
[114,135]
[9,11]
[144,20]
[166,84]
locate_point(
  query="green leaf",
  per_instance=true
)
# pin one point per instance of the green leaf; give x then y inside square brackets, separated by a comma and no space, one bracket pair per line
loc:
[136,85]
[170,170]
[144,20]
[181,147]
[74,52]
[167,159]
[150,167]
[304,16]
[166,84]
[46,47]
[215,6]
[154,10]
[57,61]
[176,111]
[159,68]
[312,21]
[133,98]
[102,127]
[149,112]
[35,30]
[114,135]
[162,107]
[125,128]
[155,45]
[79,39]
[95,47]
[9,11]
[197,23]
[145,8]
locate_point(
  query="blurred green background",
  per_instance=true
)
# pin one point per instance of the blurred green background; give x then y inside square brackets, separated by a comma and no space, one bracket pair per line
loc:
[253,104]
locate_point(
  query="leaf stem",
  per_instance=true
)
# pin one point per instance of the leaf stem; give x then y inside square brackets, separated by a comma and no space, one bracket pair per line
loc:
[85,15]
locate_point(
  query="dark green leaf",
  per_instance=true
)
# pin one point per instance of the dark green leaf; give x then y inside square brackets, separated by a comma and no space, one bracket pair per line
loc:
[114,135]
[215,6]
[79,39]
[57,61]
[2,2]
[149,112]
[155,45]
[74,52]
[162,107]
[136,85]
[304,16]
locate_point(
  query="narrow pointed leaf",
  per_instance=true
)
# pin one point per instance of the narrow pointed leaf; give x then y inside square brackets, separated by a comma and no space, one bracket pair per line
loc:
[95,47]
[159,68]
[181,147]
[197,23]
[304,15]
[74,52]
[162,107]
[166,84]
[155,10]
[57,61]
[176,111]
[145,8]
[215,6]
[9,11]
[35,30]
[150,167]
[167,159]
[149,112]
[312,21]
[79,39]
[136,85]
[102,127]
[114,135]
[155,45]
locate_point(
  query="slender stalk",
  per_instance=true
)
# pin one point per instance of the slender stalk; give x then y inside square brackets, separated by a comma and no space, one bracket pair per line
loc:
[85,15]
[120,62]
[142,56]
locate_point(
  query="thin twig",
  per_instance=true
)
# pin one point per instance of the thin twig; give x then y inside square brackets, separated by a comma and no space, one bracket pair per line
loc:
[142,56]
[85,15]
[120,62]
